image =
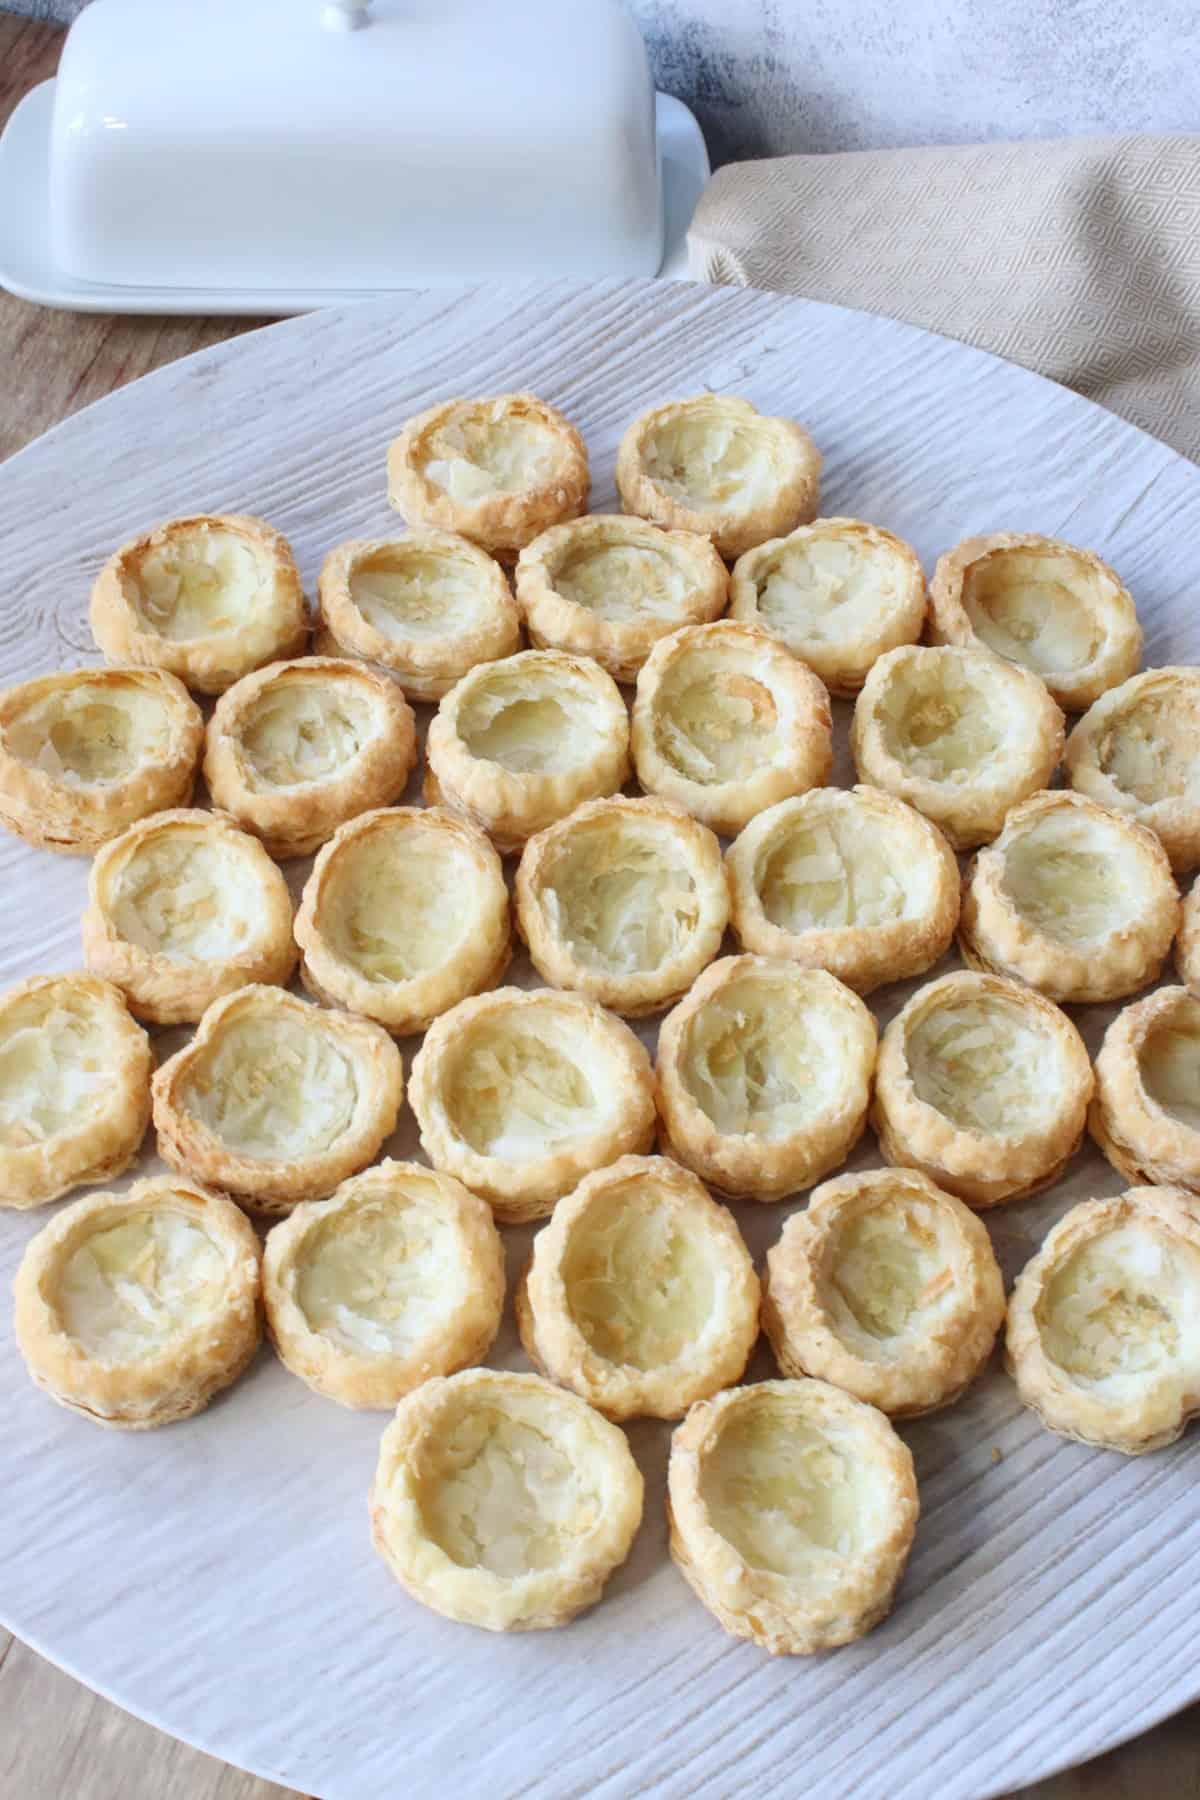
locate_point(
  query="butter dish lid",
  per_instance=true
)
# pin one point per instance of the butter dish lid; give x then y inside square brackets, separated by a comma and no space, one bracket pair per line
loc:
[260,143]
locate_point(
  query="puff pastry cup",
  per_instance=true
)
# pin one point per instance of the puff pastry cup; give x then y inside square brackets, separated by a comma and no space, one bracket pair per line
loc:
[396,1278]
[276,1101]
[763,1076]
[520,743]
[1043,604]
[183,908]
[74,1087]
[610,586]
[1137,751]
[983,1085]
[519,1095]
[498,471]
[888,1287]
[726,722]
[1145,1115]
[791,1508]
[623,900]
[849,880]
[207,598]
[837,592]
[135,1309]
[404,915]
[426,607]
[1071,898]
[640,1294]
[1187,944]
[957,733]
[502,1501]
[715,464]
[1104,1322]
[296,749]
[86,752]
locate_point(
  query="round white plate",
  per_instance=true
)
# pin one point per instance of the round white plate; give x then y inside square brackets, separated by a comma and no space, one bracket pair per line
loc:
[216,1577]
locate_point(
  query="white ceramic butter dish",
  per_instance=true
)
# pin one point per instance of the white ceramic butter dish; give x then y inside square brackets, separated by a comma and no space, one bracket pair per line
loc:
[259,156]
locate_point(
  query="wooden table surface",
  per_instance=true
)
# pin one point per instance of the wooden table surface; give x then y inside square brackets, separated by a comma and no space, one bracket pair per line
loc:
[58,1739]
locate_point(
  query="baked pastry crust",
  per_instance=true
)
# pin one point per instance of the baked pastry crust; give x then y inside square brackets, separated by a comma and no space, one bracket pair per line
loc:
[838,593]
[74,1087]
[276,1101]
[207,598]
[183,908]
[610,586]
[520,743]
[640,1295]
[135,1309]
[888,1287]
[983,1085]
[87,751]
[498,471]
[849,880]
[727,722]
[502,1501]
[404,915]
[397,1277]
[1103,1334]
[1145,1115]
[763,1076]
[519,1095]
[1074,899]
[623,900]
[1137,751]
[958,733]
[1187,944]
[716,465]
[426,607]
[296,749]
[1043,604]
[791,1508]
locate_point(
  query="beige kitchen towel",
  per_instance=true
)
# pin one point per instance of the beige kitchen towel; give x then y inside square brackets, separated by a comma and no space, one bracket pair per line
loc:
[1079,258]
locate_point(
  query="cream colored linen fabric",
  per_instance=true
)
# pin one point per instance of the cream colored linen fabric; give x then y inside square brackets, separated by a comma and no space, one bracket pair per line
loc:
[1079,258]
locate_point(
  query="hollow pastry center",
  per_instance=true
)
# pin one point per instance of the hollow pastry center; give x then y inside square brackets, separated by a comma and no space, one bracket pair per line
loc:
[197,583]
[639,1278]
[622,582]
[56,1067]
[1072,878]
[715,718]
[623,901]
[410,592]
[378,1276]
[836,871]
[828,589]
[1125,1303]
[504,1492]
[708,458]
[891,1268]
[530,724]
[786,1493]
[520,1091]
[398,903]
[1169,1064]
[1036,607]
[90,735]
[1152,748]
[942,723]
[986,1065]
[186,895]
[490,451]
[302,731]
[129,1289]
[760,1060]
[273,1089]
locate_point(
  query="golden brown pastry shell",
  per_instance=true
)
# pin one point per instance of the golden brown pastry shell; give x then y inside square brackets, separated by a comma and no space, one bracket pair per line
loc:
[1170,740]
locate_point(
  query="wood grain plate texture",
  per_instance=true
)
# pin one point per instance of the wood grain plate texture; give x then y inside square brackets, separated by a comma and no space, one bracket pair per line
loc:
[217,1578]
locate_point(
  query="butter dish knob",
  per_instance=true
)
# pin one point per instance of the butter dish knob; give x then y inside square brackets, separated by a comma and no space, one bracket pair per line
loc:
[345,15]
